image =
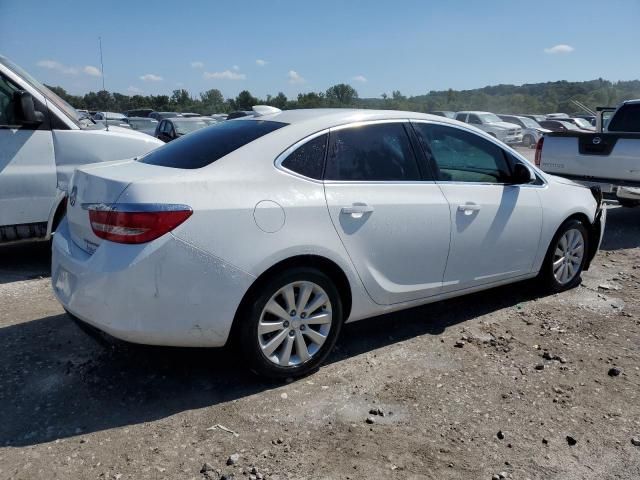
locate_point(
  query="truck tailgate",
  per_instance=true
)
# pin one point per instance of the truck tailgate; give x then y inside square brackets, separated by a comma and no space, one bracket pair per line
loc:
[593,156]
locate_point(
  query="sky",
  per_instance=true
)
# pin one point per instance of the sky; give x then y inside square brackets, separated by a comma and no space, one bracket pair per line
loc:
[271,46]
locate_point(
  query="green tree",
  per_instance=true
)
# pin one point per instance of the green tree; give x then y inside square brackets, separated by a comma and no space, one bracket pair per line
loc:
[341,94]
[244,100]
[212,101]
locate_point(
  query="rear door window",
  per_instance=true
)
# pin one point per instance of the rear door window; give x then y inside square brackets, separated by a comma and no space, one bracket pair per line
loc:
[205,146]
[375,152]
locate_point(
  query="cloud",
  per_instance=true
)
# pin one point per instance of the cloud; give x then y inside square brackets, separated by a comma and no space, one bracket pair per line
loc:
[133,89]
[92,71]
[57,66]
[226,75]
[150,77]
[197,65]
[261,63]
[295,77]
[236,67]
[561,48]
[359,78]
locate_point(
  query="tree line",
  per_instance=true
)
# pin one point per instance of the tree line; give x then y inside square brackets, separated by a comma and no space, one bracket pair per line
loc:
[529,98]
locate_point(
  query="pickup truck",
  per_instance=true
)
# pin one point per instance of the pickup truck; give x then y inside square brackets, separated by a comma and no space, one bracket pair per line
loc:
[609,158]
[506,132]
[42,140]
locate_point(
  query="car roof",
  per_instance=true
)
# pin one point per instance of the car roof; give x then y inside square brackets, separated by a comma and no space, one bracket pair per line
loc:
[322,118]
[186,119]
[472,111]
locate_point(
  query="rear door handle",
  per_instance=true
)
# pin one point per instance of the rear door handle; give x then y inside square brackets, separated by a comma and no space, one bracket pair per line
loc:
[468,208]
[356,210]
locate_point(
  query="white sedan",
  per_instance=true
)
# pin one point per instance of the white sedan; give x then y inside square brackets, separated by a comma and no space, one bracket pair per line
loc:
[273,231]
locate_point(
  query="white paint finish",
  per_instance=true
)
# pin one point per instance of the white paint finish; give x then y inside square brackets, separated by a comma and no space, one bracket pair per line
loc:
[269,216]
[400,250]
[27,176]
[163,292]
[36,165]
[400,247]
[561,156]
[495,232]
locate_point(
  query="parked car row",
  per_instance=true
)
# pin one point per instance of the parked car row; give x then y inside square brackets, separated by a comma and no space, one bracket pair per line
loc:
[525,129]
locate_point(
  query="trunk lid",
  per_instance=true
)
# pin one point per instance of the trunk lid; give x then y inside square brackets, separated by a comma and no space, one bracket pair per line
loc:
[102,183]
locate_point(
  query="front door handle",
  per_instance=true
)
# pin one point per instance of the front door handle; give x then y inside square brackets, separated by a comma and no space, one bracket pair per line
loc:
[468,208]
[356,210]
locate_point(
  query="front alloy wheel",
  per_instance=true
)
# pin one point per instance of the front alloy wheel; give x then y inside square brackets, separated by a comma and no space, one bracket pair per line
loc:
[290,323]
[566,256]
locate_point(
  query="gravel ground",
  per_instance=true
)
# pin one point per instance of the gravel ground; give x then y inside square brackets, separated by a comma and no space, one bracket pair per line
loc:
[505,382]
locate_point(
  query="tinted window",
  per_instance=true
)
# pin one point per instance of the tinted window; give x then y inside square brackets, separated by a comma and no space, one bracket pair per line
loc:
[461,156]
[308,159]
[627,119]
[371,152]
[207,145]
[461,117]
[474,119]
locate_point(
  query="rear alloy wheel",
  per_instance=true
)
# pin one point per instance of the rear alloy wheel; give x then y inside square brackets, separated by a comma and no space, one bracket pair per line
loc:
[293,324]
[527,141]
[566,256]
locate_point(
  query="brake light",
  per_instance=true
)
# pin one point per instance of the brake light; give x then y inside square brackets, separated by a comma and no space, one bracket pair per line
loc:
[136,223]
[538,158]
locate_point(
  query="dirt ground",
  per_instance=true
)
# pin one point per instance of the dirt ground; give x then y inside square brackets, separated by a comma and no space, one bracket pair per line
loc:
[527,393]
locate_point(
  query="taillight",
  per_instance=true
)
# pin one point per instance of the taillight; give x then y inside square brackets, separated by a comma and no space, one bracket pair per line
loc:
[538,158]
[135,223]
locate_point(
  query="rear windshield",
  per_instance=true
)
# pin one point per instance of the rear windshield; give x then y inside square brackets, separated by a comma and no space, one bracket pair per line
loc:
[202,148]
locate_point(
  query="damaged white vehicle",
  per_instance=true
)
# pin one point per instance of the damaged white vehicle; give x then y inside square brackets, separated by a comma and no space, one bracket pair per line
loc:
[272,231]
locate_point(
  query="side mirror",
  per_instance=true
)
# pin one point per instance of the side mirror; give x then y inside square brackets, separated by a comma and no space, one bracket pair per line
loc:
[522,174]
[26,110]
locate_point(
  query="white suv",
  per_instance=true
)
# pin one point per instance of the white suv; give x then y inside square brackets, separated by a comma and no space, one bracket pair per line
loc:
[493,125]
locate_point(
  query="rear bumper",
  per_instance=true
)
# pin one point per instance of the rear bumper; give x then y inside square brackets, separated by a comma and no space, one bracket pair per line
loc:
[165,292]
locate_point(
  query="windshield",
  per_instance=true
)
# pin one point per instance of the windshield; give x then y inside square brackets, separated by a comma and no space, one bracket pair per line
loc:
[489,118]
[71,112]
[569,125]
[527,122]
[582,123]
[182,127]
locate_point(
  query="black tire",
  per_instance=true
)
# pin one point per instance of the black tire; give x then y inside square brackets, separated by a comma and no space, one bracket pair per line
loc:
[249,319]
[547,276]
[527,141]
[629,203]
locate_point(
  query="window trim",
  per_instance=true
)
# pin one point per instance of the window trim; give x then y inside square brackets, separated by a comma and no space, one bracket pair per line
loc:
[508,152]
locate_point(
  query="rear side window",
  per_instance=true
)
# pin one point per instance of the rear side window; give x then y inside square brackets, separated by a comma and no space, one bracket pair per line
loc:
[374,152]
[627,119]
[202,148]
[308,159]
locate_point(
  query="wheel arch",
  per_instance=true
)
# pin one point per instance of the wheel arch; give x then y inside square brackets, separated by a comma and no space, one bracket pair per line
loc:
[327,266]
[57,213]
